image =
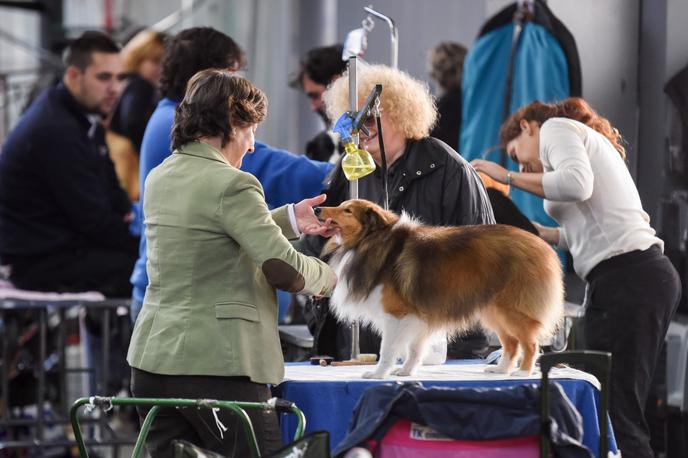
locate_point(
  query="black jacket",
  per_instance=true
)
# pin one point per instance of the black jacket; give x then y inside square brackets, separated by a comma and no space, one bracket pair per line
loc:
[135,107]
[58,188]
[322,147]
[430,181]
[448,127]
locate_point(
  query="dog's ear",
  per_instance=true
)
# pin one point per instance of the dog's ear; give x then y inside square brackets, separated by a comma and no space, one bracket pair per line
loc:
[375,218]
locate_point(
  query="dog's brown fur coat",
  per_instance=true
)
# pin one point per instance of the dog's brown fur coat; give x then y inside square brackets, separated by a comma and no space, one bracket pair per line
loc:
[451,277]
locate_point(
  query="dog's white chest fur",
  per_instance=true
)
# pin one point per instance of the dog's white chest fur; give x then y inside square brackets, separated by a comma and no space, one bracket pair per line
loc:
[367,311]
[399,335]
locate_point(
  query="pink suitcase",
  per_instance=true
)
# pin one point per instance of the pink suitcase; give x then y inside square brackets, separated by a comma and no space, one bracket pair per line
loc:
[411,440]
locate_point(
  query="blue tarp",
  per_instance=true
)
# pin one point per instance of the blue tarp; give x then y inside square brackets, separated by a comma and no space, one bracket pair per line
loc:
[540,72]
[328,404]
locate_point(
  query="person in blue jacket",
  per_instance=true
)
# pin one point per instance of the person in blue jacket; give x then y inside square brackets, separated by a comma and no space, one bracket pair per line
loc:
[285,177]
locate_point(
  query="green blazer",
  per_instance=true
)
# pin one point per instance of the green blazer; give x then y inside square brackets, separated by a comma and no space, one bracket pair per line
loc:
[215,256]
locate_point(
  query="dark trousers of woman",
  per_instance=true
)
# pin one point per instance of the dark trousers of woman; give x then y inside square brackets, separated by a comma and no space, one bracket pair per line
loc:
[630,301]
[198,426]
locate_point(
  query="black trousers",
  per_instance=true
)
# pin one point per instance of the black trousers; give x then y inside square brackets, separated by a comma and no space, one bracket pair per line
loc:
[107,271]
[198,426]
[630,301]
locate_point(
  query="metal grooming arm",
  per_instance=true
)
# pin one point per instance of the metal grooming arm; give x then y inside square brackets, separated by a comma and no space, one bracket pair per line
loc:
[393,35]
[353,108]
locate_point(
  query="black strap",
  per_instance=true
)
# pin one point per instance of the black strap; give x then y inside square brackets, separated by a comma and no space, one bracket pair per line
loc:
[383,158]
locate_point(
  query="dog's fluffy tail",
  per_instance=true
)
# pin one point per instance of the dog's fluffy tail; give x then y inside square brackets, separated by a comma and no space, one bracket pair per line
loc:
[542,299]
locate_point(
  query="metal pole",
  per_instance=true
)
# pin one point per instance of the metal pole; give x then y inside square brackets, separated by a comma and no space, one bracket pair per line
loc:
[353,184]
[5,410]
[105,346]
[61,361]
[393,35]
[173,19]
[6,109]
[33,50]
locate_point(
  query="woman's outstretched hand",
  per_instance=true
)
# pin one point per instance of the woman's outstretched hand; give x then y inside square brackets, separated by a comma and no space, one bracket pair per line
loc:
[306,220]
[491,169]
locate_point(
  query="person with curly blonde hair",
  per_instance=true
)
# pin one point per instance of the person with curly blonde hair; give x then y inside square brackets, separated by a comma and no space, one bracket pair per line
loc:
[575,159]
[426,178]
[407,107]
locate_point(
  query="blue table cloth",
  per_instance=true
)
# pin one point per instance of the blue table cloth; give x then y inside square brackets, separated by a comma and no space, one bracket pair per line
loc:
[328,402]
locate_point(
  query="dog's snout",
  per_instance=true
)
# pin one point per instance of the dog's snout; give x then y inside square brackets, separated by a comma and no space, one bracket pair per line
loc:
[317,211]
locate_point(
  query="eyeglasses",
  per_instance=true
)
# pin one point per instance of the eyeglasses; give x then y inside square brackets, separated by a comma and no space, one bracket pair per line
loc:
[369,121]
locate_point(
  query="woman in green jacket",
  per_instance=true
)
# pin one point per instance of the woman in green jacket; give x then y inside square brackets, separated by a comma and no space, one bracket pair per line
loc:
[216,254]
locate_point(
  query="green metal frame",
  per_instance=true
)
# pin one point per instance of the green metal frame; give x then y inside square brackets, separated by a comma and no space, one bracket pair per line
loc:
[239,408]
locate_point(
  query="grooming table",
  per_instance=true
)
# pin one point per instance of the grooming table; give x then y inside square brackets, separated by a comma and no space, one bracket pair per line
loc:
[327,395]
[50,308]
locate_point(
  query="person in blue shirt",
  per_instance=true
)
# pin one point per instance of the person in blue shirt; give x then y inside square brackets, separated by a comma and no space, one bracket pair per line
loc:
[285,177]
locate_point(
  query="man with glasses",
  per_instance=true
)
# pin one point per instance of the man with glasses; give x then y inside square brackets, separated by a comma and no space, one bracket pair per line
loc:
[317,69]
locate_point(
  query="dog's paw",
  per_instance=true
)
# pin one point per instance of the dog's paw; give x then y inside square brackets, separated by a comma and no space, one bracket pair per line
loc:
[373,374]
[521,373]
[403,372]
[492,369]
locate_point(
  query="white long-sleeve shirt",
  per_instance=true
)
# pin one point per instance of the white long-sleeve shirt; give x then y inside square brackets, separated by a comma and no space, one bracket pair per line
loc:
[590,193]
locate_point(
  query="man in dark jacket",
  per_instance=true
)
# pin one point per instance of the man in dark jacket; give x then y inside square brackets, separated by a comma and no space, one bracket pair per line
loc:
[63,216]
[426,178]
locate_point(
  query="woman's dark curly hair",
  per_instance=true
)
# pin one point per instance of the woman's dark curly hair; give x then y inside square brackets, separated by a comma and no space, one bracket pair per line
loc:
[193,50]
[215,103]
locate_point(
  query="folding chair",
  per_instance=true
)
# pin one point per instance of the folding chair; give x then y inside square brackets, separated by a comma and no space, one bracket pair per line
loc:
[30,319]
[596,362]
[312,445]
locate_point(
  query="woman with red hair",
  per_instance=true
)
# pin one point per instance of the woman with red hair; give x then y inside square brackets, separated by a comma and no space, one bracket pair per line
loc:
[573,158]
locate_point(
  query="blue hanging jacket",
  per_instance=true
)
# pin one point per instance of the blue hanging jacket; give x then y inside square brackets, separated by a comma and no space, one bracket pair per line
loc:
[545,67]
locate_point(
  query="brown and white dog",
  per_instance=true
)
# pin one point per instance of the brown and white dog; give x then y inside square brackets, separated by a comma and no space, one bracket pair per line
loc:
[408,281]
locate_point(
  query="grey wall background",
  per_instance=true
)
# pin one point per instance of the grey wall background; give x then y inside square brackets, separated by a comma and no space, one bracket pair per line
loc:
[628,50]
[663,52]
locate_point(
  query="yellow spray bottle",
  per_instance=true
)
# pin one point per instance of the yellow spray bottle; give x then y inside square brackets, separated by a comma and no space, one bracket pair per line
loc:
[356,162]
